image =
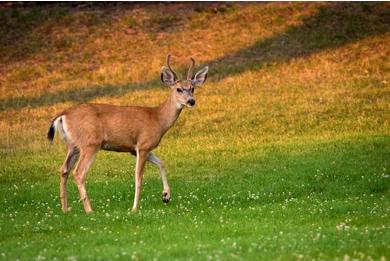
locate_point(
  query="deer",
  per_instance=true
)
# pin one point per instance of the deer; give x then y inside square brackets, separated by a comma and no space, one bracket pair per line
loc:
[138,130]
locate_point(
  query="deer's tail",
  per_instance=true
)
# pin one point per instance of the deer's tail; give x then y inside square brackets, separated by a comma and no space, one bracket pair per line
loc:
[53,126]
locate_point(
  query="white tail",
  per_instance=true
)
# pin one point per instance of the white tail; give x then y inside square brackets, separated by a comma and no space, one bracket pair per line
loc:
[87,128]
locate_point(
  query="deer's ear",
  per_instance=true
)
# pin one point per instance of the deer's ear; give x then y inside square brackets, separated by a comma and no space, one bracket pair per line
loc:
[200,77]
[168,77]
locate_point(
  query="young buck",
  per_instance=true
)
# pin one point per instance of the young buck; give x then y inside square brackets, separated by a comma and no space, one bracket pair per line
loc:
[87,128]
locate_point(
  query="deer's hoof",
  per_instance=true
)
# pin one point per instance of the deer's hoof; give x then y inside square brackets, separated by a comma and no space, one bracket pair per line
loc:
[166,197]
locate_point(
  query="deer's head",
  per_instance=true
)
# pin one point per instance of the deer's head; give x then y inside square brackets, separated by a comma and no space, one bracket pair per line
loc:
[183,90]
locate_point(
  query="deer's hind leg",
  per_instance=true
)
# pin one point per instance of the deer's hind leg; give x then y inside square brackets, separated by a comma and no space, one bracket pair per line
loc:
[66,168]
[87,156]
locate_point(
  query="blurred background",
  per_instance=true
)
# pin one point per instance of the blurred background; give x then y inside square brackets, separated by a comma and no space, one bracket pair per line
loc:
[277,70]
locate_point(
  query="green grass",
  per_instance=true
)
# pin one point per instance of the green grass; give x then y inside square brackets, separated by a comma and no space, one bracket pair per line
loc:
[285,157]
[313,200]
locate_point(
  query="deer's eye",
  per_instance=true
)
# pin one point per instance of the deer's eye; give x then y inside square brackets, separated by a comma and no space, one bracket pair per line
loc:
[179,90]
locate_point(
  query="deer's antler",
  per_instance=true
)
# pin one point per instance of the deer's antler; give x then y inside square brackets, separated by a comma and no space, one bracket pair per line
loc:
[169,66]
[189,73]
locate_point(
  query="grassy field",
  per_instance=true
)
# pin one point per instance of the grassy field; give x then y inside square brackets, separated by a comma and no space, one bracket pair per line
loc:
[285,157]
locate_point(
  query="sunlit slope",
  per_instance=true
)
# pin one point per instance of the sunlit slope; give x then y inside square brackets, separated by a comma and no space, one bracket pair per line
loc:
[277,71]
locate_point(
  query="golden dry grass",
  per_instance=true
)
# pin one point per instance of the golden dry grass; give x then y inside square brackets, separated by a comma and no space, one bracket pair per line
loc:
[266,81]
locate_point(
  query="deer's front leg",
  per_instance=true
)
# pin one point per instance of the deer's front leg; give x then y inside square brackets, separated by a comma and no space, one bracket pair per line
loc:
[139,172]
[166,195]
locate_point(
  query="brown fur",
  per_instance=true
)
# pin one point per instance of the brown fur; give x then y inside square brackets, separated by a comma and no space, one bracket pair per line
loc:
[138,130]
[120,128]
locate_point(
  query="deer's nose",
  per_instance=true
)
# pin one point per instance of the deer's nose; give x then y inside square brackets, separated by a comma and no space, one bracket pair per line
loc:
[191,102]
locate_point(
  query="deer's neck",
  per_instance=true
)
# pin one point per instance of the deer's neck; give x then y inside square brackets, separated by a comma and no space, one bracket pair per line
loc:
[167,113]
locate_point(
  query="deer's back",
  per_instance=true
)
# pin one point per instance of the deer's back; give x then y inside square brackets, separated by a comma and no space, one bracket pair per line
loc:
[118,128]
